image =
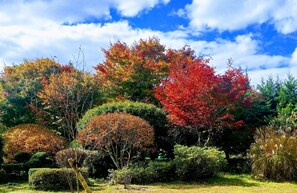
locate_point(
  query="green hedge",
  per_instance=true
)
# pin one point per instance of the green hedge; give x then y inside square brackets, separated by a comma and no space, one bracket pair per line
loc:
[144,173]
[194,163]
[53,178]
[154,171]
[154,115]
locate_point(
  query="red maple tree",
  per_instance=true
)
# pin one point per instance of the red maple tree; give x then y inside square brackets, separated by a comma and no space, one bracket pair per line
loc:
[195,96]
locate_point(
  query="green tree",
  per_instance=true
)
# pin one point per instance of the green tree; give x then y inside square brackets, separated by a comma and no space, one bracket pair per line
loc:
[20,85]
[280,96]
[287,97]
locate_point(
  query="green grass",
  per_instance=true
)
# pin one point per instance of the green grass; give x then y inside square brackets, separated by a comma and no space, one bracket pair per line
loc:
[224,183]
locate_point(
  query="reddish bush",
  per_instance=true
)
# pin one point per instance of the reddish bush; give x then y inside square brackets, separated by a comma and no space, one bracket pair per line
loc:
[31,138]
[118,134]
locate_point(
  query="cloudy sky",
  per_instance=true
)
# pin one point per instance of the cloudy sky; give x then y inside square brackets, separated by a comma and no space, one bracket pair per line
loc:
[259,35]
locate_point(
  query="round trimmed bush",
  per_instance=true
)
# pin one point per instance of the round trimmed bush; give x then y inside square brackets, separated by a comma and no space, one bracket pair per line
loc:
[40,160]
[31,138]
[53,178]
[118,132]
[22,157]
[154,115]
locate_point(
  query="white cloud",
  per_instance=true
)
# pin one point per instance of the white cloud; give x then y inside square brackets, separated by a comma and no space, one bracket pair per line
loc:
[37,31]
[50,39]
[132,7]
[234,14]
[294,58]
[63,11]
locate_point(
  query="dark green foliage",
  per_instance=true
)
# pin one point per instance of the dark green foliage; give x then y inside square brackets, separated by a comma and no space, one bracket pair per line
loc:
[53,178]
[15,171]
[21,157]
[270,91]
[40,160]
[98,164]
[281,96]
[3,176]
[21,83]
[235,141]
[154,115]
[153,171]
[1,148]
[194,163]
[238,165]
[15,111]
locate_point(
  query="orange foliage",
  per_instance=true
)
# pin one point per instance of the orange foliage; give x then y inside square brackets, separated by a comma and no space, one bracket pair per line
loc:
[131,72]
[67,96]
[117,134]
[31,138]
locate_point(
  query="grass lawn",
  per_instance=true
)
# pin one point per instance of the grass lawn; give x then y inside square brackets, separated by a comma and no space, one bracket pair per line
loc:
[225,183]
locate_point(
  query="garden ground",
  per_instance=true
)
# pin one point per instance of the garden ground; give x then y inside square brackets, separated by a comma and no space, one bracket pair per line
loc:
[224,183]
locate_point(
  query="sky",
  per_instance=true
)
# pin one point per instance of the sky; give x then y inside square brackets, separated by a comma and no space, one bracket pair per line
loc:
[259,35]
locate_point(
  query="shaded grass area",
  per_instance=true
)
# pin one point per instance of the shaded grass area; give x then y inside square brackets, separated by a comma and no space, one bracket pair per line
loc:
[224,183]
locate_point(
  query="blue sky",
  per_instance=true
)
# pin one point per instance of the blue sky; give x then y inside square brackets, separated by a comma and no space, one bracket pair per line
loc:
[259,35]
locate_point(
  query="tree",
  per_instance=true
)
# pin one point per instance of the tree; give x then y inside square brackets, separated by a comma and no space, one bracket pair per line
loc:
[195,97]
[66,97]
[20,85]
[131,72]
[281,96]
[154,115]
[120,135]
[31,138]
[287,97]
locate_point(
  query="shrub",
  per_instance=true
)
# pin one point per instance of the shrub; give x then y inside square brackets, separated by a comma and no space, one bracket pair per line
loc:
[14,171]
[31,138]
[274,155]
[53,178]
[77,154]
[144,173]
[40,160]
[194,163]
[118,132]
[98,164]
[154,115]
[21,157]
[153,171]
[121,176]
[3,176]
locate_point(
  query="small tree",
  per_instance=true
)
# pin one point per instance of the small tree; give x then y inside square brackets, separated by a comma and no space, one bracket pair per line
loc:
[66,97]
[120,135]
[131,72]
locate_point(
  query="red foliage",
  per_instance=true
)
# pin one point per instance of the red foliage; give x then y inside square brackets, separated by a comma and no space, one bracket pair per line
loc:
[195,96]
